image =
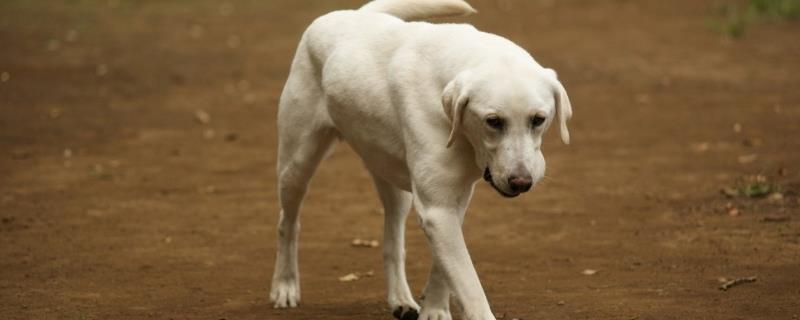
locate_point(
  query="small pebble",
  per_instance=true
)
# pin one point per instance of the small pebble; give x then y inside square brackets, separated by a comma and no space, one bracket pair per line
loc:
[53,45]
[101,70]
[202,117]
[700,147]
[775,197]
[208,190]
[249,98]
[349,277]
[71,36]
[55,113]
[196,31]
[365,243]
[731,210]
[749,158]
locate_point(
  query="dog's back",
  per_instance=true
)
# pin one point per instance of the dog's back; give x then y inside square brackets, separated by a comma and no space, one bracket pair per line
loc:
[350,26]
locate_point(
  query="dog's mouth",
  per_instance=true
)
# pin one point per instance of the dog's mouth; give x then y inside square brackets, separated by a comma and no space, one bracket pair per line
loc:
[487,175]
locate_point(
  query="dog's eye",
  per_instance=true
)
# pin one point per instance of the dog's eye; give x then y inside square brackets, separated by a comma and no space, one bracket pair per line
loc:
[537,121]
[495,122]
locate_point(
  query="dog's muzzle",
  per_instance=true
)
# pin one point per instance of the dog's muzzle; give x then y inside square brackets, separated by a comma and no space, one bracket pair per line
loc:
[487,175]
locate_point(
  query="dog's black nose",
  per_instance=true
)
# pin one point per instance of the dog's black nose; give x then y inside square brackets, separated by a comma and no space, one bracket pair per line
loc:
[520,184]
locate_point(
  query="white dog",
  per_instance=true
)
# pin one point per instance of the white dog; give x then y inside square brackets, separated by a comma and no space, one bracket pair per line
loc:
[430,108]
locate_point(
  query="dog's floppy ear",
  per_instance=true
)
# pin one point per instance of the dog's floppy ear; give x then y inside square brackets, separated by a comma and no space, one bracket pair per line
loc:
[563,106]
[454,101]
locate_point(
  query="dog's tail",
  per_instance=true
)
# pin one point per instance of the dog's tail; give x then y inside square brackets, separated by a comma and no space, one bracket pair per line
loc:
[420,9]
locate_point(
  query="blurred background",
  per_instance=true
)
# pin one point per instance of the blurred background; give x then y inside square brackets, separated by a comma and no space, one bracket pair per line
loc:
[137,159]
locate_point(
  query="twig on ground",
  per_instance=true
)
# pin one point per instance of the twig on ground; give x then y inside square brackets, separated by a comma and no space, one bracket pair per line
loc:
[730,284]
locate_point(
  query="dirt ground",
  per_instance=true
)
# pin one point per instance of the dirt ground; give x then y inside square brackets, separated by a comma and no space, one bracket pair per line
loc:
[118,203]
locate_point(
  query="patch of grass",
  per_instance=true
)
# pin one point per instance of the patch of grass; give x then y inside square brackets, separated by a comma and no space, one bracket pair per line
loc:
[780,9]
[757,190]
[735,18]
[756,186]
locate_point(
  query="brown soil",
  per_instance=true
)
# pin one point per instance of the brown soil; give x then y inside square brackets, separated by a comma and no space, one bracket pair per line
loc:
[147,215]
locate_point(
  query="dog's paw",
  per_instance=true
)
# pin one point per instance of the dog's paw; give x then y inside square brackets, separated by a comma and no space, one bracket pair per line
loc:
[406,313]
[285,294]
[434,314]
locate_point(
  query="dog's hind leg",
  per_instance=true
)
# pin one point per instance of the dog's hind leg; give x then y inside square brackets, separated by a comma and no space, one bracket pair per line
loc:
[305,136]
[396,205]
[296,167]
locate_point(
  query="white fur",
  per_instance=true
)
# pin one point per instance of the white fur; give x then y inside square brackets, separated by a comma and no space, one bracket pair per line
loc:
[412,99]
[419,9]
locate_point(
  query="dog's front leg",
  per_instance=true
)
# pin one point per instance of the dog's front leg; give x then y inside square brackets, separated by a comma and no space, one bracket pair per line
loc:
[436,296]
[442,226]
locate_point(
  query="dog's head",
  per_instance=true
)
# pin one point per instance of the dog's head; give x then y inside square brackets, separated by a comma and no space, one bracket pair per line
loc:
[503,114]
